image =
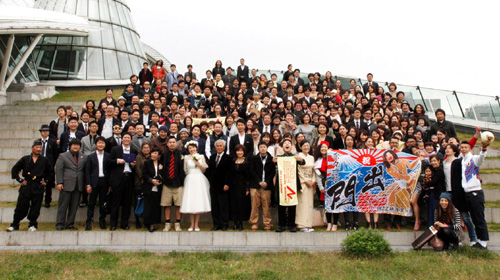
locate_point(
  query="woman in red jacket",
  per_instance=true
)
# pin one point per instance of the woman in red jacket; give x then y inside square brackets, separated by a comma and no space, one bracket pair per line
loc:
[158,70]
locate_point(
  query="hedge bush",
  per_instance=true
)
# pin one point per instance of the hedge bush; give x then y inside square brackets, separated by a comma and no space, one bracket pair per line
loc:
[366,243]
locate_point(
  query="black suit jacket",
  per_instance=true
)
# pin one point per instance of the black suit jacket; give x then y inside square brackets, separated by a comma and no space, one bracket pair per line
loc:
[179,175]
[149,76]
[80,128]
[180,99]
[110,143]
[101,122]
[148,174]
[92,169]
[457,191]
[235,140]
[115,169]
[242,75]
[256,168]
[365,87]
[64,141]
[52,151]
[362,124]
[219,175]
[218,70]
[53,128]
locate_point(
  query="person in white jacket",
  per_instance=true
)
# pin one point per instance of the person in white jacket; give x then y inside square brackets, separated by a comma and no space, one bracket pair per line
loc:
[474,195]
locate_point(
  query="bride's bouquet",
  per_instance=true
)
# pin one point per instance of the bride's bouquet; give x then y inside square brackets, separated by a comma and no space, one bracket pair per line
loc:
[196,156]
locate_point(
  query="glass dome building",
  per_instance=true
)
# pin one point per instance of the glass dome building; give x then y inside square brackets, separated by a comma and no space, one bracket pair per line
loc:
[109,55]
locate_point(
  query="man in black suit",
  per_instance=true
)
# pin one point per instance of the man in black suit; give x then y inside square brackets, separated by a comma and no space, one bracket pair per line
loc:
[357,121]
[116,139]
[369,77]
[229,78]
[262,171]
[70,134]
[145,75]
[84,125]
[175,92]
[298,79]
[219,175]
[146,88]
[242,72]
[50,150]
[121,173]
[241,138]
[96,182]
[59,125]
[208,78]
[107,122]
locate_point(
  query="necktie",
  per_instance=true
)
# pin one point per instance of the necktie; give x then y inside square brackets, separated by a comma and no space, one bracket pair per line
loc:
[357,124]
[76,159]
[217,161]
[140,140]
[86,128]
[43,148]
[118,140]
[171,168]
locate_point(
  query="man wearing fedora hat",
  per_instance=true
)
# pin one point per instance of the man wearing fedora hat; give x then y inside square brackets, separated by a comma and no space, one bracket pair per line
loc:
[50,150]
[36,171]
[70,167]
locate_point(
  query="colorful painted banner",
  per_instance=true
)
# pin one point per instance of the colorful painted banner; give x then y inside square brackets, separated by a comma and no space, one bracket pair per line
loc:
[199,120]
[287,176]
[371,181]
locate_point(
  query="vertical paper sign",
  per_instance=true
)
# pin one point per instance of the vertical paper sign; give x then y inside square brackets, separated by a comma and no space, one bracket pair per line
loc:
[287,175]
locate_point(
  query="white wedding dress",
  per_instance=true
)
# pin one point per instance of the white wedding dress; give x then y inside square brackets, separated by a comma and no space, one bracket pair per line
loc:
[196,195]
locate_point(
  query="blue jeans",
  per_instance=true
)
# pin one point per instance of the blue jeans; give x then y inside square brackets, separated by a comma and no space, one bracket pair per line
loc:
[470,227]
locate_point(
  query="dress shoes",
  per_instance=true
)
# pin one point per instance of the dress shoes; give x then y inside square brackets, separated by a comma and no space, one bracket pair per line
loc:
[224,228]
[151,228]
[72,228]
[102,223]
[293,229]
[280,229]
[112,228]
[215,228]
[125,227]
[88,226]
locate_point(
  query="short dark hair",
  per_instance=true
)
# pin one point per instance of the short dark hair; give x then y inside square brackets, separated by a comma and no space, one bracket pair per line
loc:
[262,143]
[440,111]
[100,138]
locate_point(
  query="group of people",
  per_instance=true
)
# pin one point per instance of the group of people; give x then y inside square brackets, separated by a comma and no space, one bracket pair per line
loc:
[212,146]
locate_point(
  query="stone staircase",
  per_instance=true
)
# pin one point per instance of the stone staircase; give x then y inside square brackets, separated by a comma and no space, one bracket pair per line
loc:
[19,126]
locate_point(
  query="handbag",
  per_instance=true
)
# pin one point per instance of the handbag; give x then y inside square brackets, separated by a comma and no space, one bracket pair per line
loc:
[436,243]
[139,209]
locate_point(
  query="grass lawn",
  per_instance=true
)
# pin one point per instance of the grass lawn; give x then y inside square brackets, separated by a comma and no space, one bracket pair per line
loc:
[490,171]
[492,204]
[72,95]
[465,263]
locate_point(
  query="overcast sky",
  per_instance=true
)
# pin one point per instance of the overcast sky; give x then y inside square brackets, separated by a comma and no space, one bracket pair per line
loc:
[451,45]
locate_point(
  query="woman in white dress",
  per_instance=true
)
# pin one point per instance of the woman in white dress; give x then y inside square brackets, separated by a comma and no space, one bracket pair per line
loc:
[196,197]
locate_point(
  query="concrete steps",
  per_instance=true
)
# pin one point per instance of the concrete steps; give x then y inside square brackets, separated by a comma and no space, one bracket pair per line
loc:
[194,241]
[48,215]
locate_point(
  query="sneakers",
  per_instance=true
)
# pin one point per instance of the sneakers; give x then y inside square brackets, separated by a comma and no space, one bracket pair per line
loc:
[11,229]
[168,226]
[177,227]
[32,228]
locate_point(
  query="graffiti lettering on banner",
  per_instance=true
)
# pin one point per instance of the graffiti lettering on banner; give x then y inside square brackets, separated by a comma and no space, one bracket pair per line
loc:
[287,176]
[371,181]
